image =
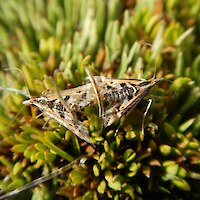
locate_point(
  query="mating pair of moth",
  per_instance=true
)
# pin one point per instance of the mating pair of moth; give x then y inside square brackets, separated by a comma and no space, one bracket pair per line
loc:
[119,96]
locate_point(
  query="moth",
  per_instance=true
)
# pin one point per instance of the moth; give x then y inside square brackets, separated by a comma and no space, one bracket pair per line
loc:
[115,98]
[120,96]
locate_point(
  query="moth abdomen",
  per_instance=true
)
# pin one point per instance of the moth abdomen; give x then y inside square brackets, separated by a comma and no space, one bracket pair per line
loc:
[120,95]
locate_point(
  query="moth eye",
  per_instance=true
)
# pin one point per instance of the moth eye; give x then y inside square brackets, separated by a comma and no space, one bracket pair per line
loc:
[42,102]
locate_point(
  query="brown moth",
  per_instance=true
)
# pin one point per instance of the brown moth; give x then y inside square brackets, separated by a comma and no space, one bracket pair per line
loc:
[121,96]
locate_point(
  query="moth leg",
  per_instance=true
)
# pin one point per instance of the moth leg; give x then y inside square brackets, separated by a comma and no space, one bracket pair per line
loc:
[117,130]
[121,109]
[45,124]
[145,114]
[111,115]
[115,112]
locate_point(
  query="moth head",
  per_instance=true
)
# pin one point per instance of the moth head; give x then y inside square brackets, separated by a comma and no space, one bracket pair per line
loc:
[147,84]
[155,81]
[38,102]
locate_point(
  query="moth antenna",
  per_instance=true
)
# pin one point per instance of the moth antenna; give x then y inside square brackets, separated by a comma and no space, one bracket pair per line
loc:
[14,118]
[14,90]
[145,114]
[95,88]
[155,69]
[174,94]
[98,96]
[43,178]
[25,82]
[59,96]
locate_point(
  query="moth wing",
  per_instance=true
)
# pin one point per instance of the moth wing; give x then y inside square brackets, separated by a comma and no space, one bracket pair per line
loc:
[77,127]
[69,122]
[125,106]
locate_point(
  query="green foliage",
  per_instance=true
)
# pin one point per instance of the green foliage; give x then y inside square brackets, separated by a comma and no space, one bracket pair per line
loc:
[113,37]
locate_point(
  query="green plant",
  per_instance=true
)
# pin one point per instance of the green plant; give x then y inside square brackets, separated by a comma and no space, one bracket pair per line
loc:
[39,37]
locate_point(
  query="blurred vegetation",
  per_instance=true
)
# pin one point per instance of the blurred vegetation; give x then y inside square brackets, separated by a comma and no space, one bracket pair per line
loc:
[39,37]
